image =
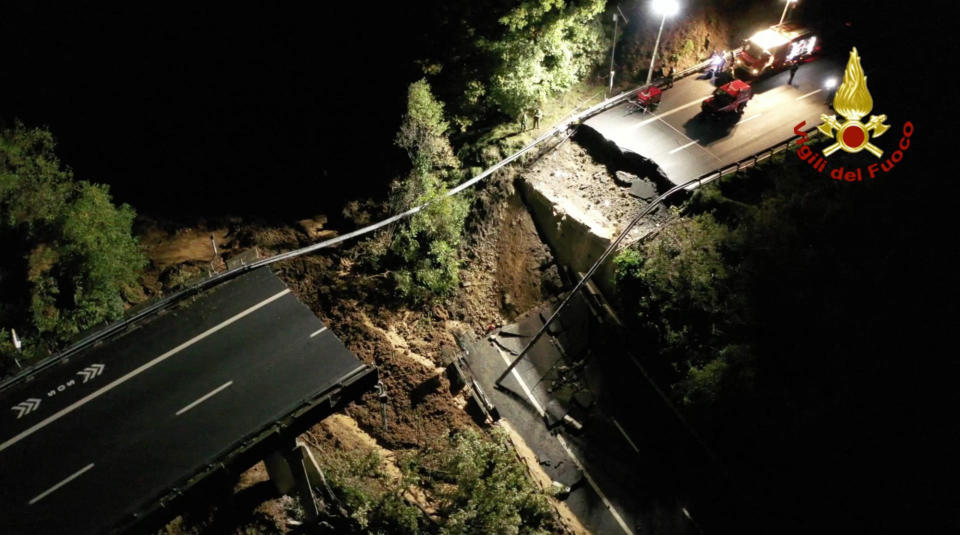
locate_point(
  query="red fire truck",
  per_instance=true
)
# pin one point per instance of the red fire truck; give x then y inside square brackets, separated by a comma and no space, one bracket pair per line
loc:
[775,48]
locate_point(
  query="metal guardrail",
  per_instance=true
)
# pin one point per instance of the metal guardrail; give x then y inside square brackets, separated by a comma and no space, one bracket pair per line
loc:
[746,163]
[615,244]
[196,287]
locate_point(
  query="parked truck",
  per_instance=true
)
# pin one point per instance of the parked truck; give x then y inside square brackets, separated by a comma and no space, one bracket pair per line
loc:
[774,49]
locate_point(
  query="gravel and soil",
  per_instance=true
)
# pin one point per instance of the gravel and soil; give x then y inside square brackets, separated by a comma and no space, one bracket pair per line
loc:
[506,270]
[586,190]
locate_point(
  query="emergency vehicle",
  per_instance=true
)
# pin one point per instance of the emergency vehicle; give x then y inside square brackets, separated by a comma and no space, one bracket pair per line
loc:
[731,97]
[776,48]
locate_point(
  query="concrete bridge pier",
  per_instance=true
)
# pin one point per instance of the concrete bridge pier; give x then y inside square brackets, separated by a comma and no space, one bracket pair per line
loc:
[295,472]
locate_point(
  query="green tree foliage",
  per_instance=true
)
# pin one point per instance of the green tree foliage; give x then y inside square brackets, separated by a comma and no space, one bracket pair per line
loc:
[424,248]
[549,45]
[678,289]
[473,482]
[69,253]
[503,59]
[489,491]
[820,346]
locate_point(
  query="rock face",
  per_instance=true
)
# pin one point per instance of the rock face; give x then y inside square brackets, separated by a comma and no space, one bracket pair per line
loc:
[624,178]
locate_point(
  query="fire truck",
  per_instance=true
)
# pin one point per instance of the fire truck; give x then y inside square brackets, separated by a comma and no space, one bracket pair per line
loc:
[775,49]
[729,98]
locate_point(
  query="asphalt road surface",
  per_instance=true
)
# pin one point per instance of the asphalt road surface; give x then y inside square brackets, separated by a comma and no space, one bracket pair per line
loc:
[686,144]
[93,440]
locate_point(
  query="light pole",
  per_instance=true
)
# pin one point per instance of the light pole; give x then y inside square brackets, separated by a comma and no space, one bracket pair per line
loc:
[613,47]
[664,8]
[17,344]
[786,6]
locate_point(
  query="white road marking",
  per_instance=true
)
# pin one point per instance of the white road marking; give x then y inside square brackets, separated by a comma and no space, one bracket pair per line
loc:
[318,332]
[671,112]
[701,147]
[808,94]
[680,148]
[596,488]
[523,385]
[204,397]
[752,117]
[117,382]
[625,435]
[570,453]
[53,489]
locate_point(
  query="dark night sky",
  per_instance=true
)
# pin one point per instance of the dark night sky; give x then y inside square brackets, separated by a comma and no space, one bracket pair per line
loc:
[279,112]
[215,110]
[255,111]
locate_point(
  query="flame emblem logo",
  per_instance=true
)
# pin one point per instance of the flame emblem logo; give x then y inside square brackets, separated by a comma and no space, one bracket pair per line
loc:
[853,101]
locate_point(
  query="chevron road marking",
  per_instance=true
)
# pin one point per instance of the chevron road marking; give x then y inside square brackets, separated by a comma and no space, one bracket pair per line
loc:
[26,407]
[91,371]
[117,382]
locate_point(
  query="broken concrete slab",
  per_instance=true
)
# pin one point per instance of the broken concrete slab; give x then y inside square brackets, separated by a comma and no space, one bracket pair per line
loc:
[554,413]
[624,178]
[512,329]
[643,189]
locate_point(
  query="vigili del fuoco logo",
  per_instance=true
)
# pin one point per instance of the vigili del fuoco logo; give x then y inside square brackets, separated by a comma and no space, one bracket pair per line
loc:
[853,102]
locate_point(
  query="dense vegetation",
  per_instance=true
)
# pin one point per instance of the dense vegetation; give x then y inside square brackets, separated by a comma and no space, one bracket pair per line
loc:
[494,62]
[782,311]
[421,253]
[469,483]
[69,260]
[494,65]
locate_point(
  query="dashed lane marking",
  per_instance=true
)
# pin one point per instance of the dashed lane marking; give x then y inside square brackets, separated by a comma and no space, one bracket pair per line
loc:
[117,382]
[205,397]
[680,148]
[625,435]
[54,488]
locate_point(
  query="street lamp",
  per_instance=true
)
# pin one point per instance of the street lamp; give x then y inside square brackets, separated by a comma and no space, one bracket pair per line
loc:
[786,6]
[663,8]
[613,47]
[17,344]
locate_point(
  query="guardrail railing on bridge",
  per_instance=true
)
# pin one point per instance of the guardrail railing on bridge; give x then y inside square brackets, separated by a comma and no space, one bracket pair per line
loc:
[198,286]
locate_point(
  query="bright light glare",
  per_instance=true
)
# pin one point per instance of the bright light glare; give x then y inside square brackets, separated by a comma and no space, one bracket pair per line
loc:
[666,8]
[830,83]
[767,39]
[791,1]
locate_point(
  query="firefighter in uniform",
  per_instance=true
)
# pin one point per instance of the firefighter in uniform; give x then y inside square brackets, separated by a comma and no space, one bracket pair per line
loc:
[793,71]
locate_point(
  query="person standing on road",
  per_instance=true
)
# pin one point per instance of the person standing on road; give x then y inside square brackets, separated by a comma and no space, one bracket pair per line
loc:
[793,71]
[537,116]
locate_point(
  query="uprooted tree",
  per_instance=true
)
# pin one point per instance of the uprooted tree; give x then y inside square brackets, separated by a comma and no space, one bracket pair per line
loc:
[421,253]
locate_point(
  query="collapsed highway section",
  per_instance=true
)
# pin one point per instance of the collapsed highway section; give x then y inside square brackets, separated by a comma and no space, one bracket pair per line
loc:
[118,433]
